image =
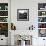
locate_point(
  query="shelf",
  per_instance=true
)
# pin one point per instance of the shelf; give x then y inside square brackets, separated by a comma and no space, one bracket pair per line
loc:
[41,22]
[42,16]
[41,28]
[4,19]
[3,22]
[3,16]
[41,10]
[3,10]
[42,19]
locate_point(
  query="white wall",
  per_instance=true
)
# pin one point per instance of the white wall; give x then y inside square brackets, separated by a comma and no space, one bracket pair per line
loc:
[32,5]
[24,4]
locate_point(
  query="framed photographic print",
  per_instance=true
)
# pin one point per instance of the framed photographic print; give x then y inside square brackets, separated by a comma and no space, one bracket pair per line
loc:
[22,14]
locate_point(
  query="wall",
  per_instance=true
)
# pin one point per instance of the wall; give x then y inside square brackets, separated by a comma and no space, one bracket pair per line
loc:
[23,4]
[32,5]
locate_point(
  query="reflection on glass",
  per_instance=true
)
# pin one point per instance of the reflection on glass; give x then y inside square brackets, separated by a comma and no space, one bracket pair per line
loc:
[42,32]
[40,25]
[41,13]
[3,19]
[41,19]
[41,6]
[4,29]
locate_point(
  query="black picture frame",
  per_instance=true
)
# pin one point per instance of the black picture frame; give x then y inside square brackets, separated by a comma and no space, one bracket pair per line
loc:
[22,14]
